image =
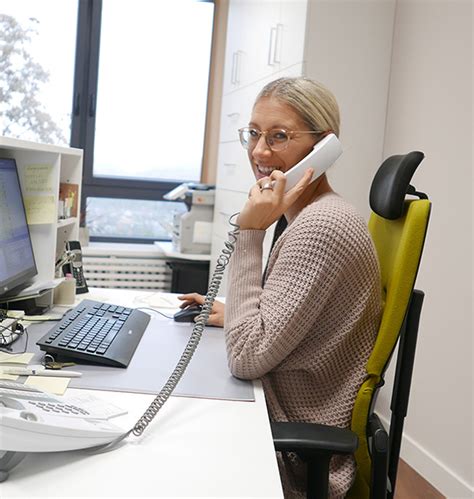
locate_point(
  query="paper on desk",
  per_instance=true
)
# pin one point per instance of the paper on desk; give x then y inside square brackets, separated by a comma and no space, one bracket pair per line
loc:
[11,377]
[94,297]
[19,358]
[160,300]
[49,384]
[42,318]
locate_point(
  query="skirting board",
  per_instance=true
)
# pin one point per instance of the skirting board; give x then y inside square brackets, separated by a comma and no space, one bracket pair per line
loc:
[432,469]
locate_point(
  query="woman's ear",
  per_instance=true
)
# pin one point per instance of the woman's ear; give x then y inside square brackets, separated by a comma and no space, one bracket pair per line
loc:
[325,134]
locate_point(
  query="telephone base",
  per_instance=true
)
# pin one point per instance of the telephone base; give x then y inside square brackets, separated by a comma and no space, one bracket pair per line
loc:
[8,461]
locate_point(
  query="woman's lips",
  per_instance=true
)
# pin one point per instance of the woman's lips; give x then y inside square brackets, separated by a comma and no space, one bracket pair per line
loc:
[264,171]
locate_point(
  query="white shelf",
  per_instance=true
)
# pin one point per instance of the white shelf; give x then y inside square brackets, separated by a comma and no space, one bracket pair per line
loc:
[123,250]
[167,249]
[65,163]
[27,145]
[67,221]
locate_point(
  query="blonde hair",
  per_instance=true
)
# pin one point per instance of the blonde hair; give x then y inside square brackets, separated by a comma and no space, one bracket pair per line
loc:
[316,105]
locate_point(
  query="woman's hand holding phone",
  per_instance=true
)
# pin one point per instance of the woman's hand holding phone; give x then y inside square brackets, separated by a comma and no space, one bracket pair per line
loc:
[266,206]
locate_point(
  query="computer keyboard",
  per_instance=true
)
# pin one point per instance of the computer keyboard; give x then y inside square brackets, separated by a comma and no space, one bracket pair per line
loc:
[97,332]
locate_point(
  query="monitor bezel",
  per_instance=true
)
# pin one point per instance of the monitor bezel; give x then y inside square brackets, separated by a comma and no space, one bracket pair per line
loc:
[22,280]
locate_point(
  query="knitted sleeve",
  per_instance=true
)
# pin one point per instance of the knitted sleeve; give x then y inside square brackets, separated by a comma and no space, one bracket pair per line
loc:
[264,325]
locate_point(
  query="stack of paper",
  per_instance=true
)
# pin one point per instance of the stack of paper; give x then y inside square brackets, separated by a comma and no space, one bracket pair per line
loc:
[14,360]
[50,384]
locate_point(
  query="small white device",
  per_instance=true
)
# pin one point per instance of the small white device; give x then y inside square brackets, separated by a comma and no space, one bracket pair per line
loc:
[324,155]
[39,371]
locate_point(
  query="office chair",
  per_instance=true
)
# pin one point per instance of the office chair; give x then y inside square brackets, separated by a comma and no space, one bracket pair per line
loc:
[398,228]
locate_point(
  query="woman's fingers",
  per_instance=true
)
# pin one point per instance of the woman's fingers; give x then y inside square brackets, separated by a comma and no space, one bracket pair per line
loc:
[279,181]
[255,190]
[295,192]
[268,200]
[190,299]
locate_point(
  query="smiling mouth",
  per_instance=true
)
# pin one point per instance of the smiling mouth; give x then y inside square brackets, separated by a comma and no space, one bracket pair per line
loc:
[266,170]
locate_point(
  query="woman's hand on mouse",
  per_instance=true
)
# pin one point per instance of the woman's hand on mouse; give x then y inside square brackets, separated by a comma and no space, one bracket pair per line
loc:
[216,317]
[264,207]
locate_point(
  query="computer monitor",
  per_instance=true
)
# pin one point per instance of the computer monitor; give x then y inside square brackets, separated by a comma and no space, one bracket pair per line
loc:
[17,261]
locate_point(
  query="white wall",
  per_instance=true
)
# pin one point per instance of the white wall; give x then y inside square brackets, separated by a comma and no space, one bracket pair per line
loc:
[402,73]
[430,109]
[349,47]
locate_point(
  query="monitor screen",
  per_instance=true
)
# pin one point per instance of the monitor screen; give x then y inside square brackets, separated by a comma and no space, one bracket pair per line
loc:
[17,262]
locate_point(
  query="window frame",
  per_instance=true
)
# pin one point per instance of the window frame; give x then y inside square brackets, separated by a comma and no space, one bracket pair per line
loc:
[84,115]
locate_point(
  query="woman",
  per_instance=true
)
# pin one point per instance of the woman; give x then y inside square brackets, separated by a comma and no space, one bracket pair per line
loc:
[308,330]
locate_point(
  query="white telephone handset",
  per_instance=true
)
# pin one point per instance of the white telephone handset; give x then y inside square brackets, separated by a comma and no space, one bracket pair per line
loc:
[324,154]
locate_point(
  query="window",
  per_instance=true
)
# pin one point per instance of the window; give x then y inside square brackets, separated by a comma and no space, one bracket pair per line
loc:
[140,114]
[37,45]
[127,81]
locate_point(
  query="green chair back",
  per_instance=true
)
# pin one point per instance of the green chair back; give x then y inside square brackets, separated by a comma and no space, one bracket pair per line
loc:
[399,245]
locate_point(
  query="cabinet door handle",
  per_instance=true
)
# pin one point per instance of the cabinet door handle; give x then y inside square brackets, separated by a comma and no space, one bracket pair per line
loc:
[233,115]
[278,38]
[234,66]
[238,66]
[271,46]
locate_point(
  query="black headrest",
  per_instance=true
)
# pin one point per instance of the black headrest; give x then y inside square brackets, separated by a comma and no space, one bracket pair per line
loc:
[392,182]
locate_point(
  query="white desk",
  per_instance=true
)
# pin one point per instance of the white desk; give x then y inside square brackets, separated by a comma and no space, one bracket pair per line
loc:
[194,447]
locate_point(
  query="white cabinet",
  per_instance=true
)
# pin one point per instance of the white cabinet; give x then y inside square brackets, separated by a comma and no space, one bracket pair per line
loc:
[263,37]
[265,41]
[291,31]
[63,165]
[233,168]
[237,106]
[345,45]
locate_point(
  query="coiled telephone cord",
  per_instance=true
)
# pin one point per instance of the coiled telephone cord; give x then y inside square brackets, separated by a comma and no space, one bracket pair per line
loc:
[198,329]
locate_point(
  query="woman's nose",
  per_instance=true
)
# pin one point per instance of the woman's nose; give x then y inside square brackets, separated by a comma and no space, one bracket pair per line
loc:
[261,148]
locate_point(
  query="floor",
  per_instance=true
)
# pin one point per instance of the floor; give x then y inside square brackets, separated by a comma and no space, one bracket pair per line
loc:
[411,485]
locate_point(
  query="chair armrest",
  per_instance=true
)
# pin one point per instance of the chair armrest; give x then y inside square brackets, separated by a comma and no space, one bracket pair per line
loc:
[312,438]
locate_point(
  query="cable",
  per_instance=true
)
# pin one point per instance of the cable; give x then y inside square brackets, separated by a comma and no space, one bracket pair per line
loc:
[198,329]
[23,331]
[154,310]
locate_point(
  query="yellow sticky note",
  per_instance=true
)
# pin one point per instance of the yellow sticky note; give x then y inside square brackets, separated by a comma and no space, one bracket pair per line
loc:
[40,209]
[19,358]
[49,384]
[37,178]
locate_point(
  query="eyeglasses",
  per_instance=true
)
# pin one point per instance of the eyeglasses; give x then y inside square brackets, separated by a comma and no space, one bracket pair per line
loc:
[276,138]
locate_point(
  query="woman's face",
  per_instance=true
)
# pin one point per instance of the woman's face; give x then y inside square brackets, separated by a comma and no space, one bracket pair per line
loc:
[269,113]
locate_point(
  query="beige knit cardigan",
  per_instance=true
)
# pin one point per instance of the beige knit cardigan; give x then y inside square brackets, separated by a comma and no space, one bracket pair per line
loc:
[307,333]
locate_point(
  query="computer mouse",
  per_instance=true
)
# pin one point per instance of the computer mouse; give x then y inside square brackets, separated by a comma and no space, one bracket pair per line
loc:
[188,314]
